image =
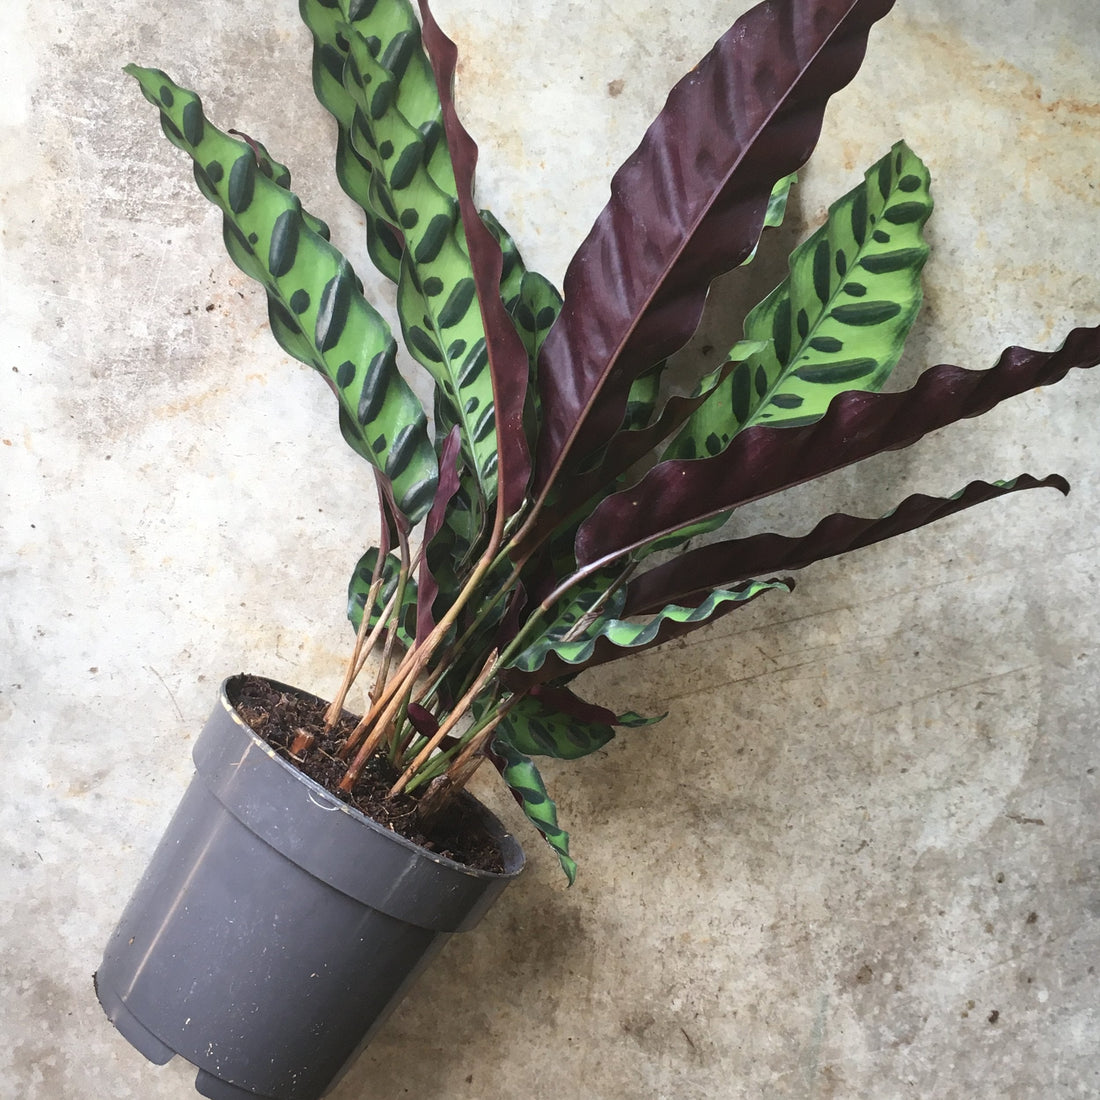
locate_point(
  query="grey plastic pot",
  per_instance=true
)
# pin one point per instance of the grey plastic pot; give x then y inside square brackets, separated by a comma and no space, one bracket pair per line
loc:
[276,927]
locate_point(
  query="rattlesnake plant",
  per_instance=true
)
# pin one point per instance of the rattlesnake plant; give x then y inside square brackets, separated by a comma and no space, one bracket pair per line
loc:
[556,485]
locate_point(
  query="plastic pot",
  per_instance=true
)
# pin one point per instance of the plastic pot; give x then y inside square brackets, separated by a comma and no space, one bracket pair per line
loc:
[276,927]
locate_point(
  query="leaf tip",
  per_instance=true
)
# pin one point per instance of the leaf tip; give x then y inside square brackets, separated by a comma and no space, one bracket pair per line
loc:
[569,866]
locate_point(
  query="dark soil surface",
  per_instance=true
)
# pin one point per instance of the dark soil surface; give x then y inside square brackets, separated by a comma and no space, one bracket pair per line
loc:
[279,717]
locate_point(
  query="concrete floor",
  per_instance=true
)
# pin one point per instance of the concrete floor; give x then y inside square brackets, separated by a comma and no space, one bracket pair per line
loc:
[861,857]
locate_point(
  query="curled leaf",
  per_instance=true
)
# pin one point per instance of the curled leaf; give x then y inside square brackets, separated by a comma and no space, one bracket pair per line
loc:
[507,356]
[330,24]
[764,460]
[608,639]
[699,183]
[436,299]
[688,575]
[315,299]
[528,789]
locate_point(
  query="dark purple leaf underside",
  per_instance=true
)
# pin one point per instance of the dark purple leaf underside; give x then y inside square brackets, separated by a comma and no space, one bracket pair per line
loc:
[629,447]
[687,578]
[427,587]
[422,720]
[762,460]
[508,362]
[686,206]
[392,516]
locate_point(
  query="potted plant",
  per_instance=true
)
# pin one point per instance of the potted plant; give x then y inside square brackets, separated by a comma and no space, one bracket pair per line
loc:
[562,509]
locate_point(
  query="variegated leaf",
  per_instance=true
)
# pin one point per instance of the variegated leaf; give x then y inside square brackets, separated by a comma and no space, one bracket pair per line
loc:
[528,789]
[608,637]
[631,719]
[508,367]
[436,297]
[641,402]
[289,336]
[589,599]
[359,590]
[763,460]
[280,174]
[777,209]
[512,268]
[840,319]
[552,721]
[532,302]
[538,726]
[313,291]
[535,311]
[326,21]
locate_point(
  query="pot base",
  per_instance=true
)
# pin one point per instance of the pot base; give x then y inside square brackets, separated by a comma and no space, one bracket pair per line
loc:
[148,1045]
[214,1088]
[131,1028]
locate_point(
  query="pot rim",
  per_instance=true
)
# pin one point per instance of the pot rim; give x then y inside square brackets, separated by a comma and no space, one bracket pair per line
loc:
[511,851]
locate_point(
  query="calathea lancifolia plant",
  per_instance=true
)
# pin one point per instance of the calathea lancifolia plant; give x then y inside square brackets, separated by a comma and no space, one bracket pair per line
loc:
[541,522]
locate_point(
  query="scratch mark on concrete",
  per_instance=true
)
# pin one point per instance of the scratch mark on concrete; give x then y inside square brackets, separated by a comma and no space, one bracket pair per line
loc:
[948,688]
[175,705]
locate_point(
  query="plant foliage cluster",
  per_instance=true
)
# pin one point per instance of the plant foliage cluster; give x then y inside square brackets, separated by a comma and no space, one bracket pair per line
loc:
[557,490]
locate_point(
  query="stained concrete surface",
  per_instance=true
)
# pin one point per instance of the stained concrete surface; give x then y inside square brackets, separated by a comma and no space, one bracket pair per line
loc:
[860,856]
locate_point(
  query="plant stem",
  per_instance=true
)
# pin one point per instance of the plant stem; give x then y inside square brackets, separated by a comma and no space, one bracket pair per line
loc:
[593,613]
[402,584]
[359,652]
[478,740]
[461,776]
[453,719]
[417,658]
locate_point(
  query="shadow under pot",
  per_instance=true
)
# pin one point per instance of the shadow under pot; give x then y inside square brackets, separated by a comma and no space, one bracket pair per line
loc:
[276,927]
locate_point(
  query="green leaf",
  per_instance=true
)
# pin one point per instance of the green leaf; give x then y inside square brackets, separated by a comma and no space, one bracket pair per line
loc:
[393,35]
[552,721]
[314,296]
[533,304]
[280,174]
[633,720]
[589,598]
[528,789]
[536,729]
[777,209]
[606,637]
[359,589]
[840,319]
[436,300]
[641,402]
[777,201]
[535,312]
[512,268]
